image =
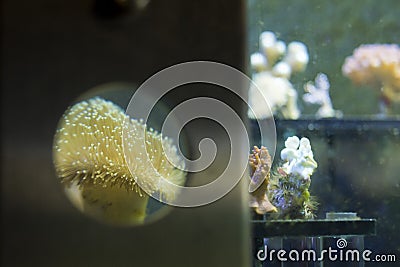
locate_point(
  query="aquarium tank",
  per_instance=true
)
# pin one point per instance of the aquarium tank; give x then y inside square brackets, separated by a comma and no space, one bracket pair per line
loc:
[330,71]
[299,114]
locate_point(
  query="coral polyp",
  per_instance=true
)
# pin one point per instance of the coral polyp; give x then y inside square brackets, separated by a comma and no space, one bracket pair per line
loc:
[90,155]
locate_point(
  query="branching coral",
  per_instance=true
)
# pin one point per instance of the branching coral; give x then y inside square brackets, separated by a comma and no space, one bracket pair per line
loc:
[260,166]
[286,191]
[318,93]
[289,187]
[295,57]
[89,155]
[272,77]
[376,64]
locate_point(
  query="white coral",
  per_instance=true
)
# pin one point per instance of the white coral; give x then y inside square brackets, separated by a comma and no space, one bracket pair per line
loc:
[290,151]
[271,47]
[297,56]
[318,93]
[277,92]
[272,77]
[299,157]
[258,61]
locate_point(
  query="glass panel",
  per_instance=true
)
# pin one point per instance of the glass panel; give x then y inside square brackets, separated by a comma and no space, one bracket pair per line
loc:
[330,72]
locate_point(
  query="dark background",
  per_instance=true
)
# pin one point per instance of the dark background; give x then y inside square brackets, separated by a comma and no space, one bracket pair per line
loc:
[52,52]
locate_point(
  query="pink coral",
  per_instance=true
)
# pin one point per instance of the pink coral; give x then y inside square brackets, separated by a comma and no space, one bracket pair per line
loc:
[376,63]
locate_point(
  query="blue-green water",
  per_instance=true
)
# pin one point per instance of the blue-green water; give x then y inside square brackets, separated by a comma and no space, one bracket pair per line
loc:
[331,30]
[358,159]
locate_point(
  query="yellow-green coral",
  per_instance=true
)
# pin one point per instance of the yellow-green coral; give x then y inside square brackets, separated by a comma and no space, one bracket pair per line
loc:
[99,150]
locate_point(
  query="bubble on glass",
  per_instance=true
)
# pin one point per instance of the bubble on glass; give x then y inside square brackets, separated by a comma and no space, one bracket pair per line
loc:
[89,161]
